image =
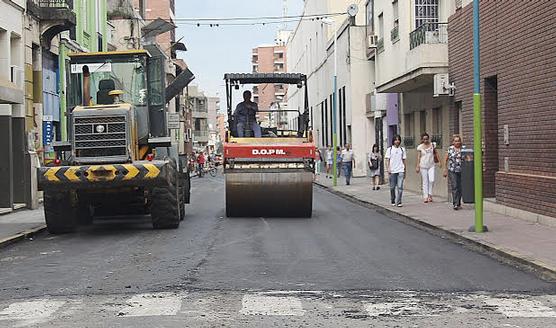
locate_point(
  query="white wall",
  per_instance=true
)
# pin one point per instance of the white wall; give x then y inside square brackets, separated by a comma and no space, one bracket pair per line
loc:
[310,51]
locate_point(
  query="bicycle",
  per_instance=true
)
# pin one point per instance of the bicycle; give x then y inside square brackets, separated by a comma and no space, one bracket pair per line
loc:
[212,170]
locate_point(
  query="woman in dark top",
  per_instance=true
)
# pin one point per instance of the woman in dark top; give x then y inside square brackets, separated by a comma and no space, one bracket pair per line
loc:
[453,170]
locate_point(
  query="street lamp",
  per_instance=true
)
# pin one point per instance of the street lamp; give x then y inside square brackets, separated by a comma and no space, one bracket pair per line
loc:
[332,22]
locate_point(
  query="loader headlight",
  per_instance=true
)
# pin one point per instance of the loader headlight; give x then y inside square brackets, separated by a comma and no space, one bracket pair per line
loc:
[99,128]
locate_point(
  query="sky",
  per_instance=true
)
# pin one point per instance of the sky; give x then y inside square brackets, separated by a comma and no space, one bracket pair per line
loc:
[214,51]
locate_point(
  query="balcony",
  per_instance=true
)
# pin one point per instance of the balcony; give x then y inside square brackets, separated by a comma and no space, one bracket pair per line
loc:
[380,46]
[201,135]
[426,56]
[429,33]
[395,34]
[55,16]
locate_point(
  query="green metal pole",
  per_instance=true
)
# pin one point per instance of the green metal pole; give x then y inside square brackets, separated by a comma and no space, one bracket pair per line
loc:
[334,109]
[477,124]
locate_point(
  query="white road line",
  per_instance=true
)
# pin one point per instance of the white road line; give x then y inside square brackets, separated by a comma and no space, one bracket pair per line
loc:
[271,305]
[520,308]
[152,304]
[408,307]
[31,312]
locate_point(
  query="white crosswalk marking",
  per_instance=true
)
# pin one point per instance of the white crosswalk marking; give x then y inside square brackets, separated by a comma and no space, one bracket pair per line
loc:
[152,304]
[520,308]
[31,312]
[271,305]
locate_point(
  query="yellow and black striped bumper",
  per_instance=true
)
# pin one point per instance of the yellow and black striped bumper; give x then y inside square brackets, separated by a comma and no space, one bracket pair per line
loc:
[144,173]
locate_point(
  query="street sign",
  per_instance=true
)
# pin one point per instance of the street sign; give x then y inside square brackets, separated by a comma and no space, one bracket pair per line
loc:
[173,121]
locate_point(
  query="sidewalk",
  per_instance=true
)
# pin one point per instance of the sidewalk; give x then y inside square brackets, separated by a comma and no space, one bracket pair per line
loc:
[520,241]
[20,224]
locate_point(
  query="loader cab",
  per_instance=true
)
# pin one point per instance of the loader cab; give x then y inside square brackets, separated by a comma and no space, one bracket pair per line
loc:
[275,121]
[93,76]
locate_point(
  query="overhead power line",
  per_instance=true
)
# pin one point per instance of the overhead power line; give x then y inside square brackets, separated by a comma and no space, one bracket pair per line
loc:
[260,18]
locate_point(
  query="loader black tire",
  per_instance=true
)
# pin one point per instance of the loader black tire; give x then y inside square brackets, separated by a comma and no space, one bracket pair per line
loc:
[165,210]
[59,212]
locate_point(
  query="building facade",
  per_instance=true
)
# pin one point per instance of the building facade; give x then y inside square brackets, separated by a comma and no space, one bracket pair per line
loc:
[213,104]
[198,104]
[310,51]
[411,48]
[12,99]
[271,96]
[518,99]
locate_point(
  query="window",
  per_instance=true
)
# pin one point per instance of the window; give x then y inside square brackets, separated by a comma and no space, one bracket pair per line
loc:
[343,100]
[422,122]
[381,26]
[395,33]
[325,126]
[322,124]
[437,127]
[409,132]
[426,11]
[370,18]
[457,119]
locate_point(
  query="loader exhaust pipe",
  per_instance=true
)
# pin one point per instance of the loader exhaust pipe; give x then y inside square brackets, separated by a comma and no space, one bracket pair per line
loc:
[86,86]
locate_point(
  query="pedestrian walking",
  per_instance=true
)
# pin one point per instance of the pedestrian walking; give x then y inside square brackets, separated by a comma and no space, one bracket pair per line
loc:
[453,170]
[374,166]
[395,166]
[201,164]
[348,162]
[338,161]
[318,161]
[329,161]
[427,157]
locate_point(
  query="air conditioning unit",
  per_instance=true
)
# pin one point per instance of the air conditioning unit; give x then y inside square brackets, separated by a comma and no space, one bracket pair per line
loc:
[442,86]
[372,41]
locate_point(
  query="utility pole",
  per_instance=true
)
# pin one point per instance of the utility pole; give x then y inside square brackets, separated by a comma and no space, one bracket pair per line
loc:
[477,124]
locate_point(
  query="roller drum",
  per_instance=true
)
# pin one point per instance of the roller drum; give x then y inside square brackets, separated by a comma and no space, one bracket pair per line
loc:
[269,194]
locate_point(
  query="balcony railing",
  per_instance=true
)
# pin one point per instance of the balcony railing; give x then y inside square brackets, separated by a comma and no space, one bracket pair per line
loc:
[54,3]
[429,33]
[437,139]
[395,34]
[409,142]
[201,133]
[380,45]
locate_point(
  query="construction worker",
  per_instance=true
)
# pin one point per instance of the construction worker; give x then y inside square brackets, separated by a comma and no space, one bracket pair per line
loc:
[246,116]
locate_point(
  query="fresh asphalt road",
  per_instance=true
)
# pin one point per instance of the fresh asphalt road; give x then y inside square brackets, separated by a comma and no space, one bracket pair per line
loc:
[346,266]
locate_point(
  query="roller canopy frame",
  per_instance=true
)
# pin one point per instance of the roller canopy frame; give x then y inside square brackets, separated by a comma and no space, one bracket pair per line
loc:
[236,79]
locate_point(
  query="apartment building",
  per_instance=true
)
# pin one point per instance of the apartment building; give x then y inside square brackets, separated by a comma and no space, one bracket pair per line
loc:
[12,98]
[270,59]
[411,49]
[198,104]
[310,50]
[518,70]
[213,104]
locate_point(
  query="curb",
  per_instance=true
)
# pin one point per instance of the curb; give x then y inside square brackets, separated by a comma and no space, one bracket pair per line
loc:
[539,268]
[22,236]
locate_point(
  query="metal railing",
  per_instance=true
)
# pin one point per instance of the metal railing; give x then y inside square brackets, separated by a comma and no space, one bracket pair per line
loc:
[54,3]
[395,34]
[437,138]
[380,45]
[429,33]
[201,133]
[409,142]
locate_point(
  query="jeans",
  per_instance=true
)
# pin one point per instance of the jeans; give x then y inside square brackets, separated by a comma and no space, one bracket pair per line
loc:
[396,180]
[254,126]
[455,182]
[348,167]
[427,176]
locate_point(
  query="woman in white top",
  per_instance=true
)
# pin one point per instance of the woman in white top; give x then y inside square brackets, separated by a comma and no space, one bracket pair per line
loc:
[426,160]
